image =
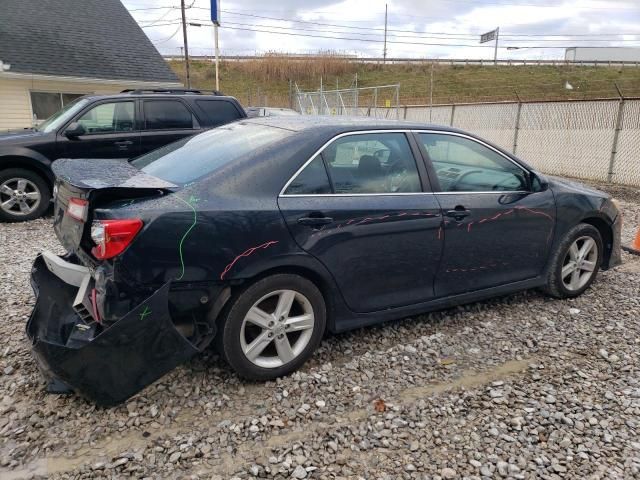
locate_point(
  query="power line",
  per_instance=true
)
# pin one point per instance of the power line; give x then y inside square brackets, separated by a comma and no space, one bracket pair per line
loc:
[381,41]
[294,31]
[351,27]
[157,42]
[577,7]
[416,36]
[425,33]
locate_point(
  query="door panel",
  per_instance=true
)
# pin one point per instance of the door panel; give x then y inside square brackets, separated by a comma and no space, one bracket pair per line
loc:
[495,230]
[504,238]
[383,250]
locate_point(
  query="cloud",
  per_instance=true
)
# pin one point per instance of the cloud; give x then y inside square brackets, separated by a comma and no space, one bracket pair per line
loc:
[456,22]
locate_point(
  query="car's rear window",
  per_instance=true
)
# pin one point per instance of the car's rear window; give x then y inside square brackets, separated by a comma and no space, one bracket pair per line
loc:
[193,157]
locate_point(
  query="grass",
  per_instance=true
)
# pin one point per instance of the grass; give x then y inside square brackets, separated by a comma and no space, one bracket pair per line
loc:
[266,81]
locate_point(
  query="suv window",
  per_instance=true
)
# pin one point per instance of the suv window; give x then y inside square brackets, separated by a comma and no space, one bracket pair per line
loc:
[166,115]
[219,111]
[312,180]
[464,165]
[110,117]
[372,163]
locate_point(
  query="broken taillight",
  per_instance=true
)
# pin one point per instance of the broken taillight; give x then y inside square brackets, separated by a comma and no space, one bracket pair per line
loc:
[112,237]
[78,208]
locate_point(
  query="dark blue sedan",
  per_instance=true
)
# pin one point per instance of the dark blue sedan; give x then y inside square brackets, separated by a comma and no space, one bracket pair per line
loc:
[262,235]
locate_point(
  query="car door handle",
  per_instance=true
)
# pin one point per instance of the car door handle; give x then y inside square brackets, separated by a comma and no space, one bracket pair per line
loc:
[312,221]
[458,213]
[124,143]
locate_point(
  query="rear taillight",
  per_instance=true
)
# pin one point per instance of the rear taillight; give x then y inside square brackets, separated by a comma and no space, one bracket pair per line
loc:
[78,209]
[113,236]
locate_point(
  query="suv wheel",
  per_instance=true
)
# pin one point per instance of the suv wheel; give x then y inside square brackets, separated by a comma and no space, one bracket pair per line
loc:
[24,195]
[272,327]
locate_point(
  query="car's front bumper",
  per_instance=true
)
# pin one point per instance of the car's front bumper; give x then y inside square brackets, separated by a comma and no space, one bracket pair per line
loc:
[108,365]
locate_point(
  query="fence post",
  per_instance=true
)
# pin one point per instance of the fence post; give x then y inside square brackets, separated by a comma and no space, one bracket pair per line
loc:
[453,112]
[375,102]
[517,129]
[616,135]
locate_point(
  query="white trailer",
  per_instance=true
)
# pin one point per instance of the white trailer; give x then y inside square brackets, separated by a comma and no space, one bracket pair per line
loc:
[602,54]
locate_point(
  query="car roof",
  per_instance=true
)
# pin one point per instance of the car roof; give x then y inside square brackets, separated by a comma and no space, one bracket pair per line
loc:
[160,95]
[341,123]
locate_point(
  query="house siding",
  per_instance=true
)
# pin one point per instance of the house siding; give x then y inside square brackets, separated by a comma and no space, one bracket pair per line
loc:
[15,99]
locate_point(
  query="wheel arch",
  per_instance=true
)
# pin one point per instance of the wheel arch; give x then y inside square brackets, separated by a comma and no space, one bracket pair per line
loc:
[306,269]
[606,232]
[40,166]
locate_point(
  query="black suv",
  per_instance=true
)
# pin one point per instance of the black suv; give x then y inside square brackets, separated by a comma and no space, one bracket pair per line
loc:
[100,126]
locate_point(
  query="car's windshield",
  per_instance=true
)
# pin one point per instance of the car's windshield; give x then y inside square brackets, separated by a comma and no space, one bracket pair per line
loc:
[193,157]
[61,116]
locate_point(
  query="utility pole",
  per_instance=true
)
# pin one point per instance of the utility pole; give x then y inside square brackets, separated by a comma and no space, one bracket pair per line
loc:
[384,52]
[495,51]
[186,46]
[215,33]
[431,94]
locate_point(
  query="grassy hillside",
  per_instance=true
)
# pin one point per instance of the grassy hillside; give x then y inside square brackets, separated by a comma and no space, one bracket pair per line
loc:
[266,81]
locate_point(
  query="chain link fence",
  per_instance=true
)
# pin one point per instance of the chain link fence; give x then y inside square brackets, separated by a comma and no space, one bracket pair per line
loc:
[380,102]
[593,139]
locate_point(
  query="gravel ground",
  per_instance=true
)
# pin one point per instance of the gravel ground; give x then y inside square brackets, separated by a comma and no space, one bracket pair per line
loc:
[521,387]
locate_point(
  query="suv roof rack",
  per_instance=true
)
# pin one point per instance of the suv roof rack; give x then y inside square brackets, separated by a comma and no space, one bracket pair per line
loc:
[180,91]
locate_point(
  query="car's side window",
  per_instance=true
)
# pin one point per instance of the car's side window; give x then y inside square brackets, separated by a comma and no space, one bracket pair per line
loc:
[167,115]
[219,111]
[372,163]
[111,117]
[464,165]
[312,180]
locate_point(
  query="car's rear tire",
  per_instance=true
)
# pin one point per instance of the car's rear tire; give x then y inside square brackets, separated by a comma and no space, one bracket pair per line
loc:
[272,327]
[24,195]
[575,263]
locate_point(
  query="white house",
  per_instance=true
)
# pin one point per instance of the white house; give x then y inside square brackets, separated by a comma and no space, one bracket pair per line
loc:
[53,51]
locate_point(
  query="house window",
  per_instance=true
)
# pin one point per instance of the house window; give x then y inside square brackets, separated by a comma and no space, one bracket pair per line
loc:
[45,104]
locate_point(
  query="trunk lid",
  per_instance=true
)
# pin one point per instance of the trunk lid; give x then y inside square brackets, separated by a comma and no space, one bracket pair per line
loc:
[96,181]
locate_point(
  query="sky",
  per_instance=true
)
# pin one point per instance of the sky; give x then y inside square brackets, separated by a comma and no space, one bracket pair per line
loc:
[416,28]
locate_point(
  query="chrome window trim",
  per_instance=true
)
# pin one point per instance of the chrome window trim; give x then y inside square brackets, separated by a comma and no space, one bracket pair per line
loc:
[329,142]
[405,130]
[494,192]
[473,139]
[356,194]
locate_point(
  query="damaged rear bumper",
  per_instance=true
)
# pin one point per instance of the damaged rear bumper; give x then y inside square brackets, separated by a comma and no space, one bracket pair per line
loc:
[107,365]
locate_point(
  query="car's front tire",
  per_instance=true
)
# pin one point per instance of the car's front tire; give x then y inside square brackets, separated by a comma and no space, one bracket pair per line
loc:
[272,327]
[575,263]
[24,195]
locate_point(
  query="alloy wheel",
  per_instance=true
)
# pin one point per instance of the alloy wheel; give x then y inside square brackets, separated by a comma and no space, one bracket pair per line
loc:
[19,196]
[579,263]
[277,328]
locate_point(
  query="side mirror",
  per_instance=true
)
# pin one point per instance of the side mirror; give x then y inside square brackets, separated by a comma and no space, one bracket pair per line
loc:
[74,130]
[538,182]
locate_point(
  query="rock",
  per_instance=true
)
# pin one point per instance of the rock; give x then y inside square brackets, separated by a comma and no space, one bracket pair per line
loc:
[299,472]
[448,473]
[503,468]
